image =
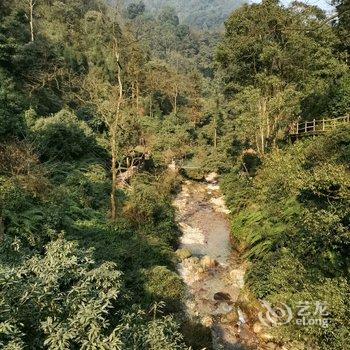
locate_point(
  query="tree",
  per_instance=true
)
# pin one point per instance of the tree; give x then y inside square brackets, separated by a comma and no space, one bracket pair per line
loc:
[290,216]
[31,4]
[116,113]
[108,100]
[105,90]
[88,292]
[343,25]
[283,58]
[168,16]
[11,108]
[135,9]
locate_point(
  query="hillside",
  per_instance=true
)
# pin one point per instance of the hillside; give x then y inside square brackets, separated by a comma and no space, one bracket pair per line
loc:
[170,187]
[200,13]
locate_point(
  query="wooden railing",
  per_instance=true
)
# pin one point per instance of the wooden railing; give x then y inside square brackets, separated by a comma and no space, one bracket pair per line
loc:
[318,126]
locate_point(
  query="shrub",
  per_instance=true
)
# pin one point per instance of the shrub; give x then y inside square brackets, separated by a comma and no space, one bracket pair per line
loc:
[294,224]
[333,294]
[63,137]
[63,300]
[161,284]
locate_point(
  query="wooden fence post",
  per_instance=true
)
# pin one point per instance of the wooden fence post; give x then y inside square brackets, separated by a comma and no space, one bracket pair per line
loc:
[297,128]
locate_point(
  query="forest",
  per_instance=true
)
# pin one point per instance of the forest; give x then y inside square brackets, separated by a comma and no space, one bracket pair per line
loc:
[98,98]
[203,14]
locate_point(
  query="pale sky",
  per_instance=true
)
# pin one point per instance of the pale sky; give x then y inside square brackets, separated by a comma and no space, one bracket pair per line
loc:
[324,4]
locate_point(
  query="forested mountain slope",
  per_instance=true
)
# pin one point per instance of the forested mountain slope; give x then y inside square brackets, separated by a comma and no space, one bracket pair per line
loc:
[199,13]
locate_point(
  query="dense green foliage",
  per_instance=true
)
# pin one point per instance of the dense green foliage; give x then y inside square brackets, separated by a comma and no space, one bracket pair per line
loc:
[82,280]
[64,302]
[293,223]
[290,200]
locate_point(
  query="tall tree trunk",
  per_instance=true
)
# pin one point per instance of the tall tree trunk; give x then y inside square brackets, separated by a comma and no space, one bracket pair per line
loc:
[2,230]
[137,97]
[114,175]
[150,106]
[113,134]
[264,123]
[262,138]
[216,117]
[31,24]
[175,98]
[215,131]
[257,143]
[133,90]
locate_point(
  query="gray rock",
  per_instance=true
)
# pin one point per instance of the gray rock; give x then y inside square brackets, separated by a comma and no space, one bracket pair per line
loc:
[221,296]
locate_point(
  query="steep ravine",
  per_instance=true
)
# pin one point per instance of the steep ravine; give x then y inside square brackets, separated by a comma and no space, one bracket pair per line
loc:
[211,269]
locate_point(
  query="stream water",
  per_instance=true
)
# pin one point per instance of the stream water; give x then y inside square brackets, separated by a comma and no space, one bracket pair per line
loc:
[214,274]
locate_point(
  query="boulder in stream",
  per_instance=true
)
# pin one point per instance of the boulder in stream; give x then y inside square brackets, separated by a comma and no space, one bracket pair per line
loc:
[262,332]
[193,260]
[221,296]
[230,318]
[222,308]
[258,327]
[207,321]
[266,336]
[183,253]
[271,346]
[237,277]
[208,263]
[212,177]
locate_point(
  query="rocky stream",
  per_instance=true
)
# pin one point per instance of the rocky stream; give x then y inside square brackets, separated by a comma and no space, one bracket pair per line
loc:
[212,270]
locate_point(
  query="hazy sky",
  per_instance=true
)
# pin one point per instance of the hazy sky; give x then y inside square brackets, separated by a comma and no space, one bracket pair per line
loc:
[324,4]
